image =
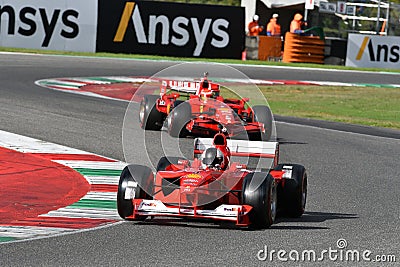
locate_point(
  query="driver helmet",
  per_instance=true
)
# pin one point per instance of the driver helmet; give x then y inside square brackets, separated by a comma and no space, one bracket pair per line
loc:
[205,84]
[212,157]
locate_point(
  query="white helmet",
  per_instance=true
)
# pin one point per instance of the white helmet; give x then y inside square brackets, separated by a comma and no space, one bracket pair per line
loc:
[256,17]
[212,157]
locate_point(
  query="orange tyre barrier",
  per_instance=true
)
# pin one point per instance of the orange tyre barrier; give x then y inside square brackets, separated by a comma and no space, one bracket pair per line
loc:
[269,47]
[303,49]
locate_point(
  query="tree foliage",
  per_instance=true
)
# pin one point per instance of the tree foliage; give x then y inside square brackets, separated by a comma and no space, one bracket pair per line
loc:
[338,27]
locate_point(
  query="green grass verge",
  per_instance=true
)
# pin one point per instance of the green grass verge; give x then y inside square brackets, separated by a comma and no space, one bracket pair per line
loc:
[180,59]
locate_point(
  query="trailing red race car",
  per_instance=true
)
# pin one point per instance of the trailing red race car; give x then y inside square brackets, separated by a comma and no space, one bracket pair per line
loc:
[215,186]
[205,113]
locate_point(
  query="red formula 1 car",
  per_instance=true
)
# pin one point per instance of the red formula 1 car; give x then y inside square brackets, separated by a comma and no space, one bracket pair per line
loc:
[215,186]
[205,113]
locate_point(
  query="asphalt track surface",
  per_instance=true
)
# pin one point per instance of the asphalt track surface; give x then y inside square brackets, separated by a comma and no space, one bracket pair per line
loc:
[354,183]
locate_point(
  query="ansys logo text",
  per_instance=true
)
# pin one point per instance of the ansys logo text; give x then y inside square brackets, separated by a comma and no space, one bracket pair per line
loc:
[31,20]
[179,26]
[380,52]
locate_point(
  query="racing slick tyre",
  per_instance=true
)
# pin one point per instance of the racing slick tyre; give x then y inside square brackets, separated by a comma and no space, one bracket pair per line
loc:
[149,117]
[178,118]
[260,191]
[263,114]
[293,194]
[164,162]
[168,185]
[136,181]
[178,102]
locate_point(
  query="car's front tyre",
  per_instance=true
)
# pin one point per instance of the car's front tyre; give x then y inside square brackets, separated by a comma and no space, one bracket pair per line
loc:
[136,182]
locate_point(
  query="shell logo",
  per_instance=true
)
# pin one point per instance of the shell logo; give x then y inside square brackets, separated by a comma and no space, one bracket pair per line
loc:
[194,176]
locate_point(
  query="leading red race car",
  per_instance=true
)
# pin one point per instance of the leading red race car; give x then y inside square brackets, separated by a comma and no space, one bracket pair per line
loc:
[205,113]
[215,186]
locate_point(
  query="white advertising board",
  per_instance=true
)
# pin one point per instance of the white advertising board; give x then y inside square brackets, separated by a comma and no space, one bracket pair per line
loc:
[351,10]
[373,51]
[341,7]
[310,4]
[325,7]
[68,25]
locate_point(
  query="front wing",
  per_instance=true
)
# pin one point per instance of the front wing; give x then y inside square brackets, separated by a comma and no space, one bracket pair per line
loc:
[238,214]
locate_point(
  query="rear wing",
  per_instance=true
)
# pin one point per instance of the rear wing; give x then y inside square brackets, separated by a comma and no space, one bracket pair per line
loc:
[255,154]
[189,87]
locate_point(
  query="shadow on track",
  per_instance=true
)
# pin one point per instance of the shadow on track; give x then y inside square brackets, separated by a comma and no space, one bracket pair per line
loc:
[312,217]
[283,141]
[308,217]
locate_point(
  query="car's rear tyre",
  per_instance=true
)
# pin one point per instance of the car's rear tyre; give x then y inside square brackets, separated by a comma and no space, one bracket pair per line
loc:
[178,102]
[293,195]
[178,118]
[149,117]
[263,114]
[260,192]
[139,181]
[164,162]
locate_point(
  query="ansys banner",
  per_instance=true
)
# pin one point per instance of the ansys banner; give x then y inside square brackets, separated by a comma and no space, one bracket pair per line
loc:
[68,25]
[372,51]
[170,29]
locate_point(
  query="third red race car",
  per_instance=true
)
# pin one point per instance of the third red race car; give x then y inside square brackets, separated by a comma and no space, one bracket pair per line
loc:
[205,112]
[216,185]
